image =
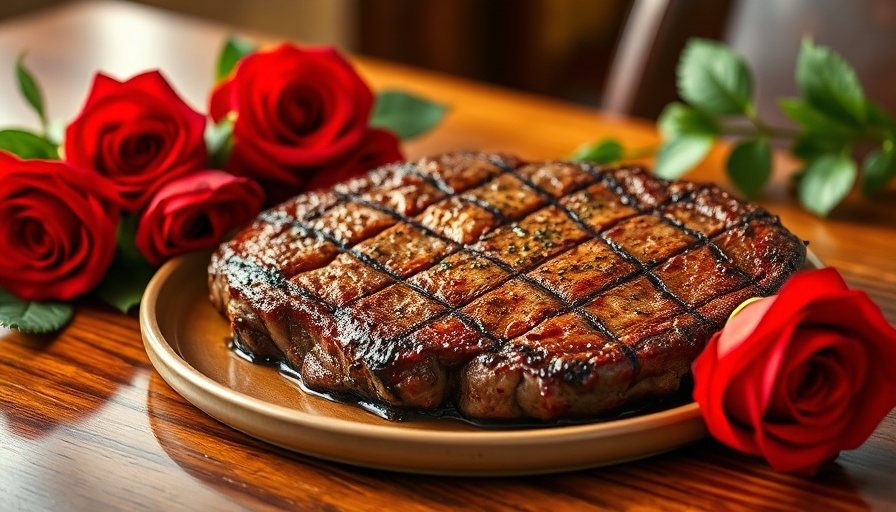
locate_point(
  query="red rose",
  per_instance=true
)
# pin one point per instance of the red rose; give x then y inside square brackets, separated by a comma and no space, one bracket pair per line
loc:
[138,133]
[798,377]
[379,147]
[196,212]
[57,228]
[296,110]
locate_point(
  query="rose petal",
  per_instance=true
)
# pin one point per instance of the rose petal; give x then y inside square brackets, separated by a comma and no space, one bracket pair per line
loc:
[741,326]
[153,83]
[379,147]
[219,103]
[793,297]
[139,133]
[763,341]
[747,367]
[812,374]
[709,393]
[804,460]
[265,77]
[59,225]
[818,353]
[298,110]
[194,212]
[133,151]
[877,395]
[820,417]
[819,390]
[102,86]
[58,228]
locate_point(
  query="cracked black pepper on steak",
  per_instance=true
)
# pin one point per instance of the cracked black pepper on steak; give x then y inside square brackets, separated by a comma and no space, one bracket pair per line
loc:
[508,289]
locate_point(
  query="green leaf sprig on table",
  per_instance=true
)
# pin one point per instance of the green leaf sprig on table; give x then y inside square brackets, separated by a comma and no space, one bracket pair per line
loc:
[833,117]
[33,317]
[27,144]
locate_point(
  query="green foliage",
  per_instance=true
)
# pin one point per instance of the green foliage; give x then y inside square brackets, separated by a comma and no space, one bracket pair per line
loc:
[681,154]
[27,145]
[689,134]
[815,122]
[219,141]
[406,115]
[829,84]
[33,317]
[833,117]
[129,273]
[601,152]
[234,49]
[750,165]
[678,119]
[825,182]
[30,90]
[878,118]
[878,169]
[713,78]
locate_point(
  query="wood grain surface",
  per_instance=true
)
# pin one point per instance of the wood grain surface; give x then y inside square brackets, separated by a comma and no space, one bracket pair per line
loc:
[87,424]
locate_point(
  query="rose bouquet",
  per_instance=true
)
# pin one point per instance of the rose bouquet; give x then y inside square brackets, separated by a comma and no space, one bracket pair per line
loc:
[140,176]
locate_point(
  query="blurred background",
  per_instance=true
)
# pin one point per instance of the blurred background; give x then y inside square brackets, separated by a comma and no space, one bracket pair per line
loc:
[619,55]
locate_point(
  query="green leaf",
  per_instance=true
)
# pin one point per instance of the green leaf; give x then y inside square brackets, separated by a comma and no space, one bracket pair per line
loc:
[830,84]
[219,141]
[826,182]
[406,115]
[33,317]
[129,273]
[878,117]
[811,146]
[715,79]
[27,145]
[29,89]
[234,49]
[601,152]
[679,119]
[125,281]
[878,169]
[682,154]
[815,121]
[750,166]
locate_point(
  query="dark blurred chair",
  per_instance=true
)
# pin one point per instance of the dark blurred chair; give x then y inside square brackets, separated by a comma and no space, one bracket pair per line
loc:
[766,32]
[9,8]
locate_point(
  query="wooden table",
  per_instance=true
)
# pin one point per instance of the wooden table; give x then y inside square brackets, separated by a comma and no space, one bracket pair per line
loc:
[87,423]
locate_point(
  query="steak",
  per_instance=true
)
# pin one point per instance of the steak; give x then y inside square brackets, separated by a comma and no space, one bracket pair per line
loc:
[506,289]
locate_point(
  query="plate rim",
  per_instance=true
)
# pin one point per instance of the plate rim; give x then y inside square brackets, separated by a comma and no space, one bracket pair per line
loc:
[195,386]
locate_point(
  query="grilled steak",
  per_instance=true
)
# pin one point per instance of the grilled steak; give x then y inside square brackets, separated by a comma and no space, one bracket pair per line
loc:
[509,289]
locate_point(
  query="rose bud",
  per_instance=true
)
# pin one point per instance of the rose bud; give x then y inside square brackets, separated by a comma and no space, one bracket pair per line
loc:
[57,228]
[800,376]
[138,133]
[297,110]
[196,212]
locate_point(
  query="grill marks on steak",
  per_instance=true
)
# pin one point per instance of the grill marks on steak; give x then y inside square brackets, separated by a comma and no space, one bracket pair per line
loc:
[545,290]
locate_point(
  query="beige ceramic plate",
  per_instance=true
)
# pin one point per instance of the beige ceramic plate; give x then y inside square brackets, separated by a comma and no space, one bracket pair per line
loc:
[186,340]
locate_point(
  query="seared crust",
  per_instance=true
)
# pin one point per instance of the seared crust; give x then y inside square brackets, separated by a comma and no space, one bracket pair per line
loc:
[545,290]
